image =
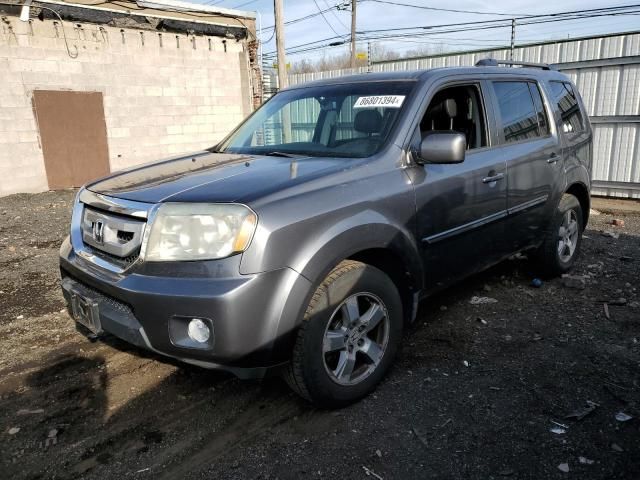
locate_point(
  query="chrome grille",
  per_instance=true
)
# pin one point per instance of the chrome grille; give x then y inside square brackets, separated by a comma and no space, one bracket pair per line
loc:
[116,235]
[108,231]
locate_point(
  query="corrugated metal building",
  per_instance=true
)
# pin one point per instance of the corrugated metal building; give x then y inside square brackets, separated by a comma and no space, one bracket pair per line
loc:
[606,70]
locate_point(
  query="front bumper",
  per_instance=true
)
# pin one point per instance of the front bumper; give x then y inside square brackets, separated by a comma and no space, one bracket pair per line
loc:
[254,317]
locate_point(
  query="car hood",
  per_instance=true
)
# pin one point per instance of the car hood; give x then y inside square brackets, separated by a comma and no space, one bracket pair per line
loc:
[214,177]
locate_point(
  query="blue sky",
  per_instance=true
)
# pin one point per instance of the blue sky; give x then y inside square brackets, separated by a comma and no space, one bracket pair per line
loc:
[373,15]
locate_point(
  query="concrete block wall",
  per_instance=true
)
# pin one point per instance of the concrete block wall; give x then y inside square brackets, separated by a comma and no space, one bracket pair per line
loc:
[163,93]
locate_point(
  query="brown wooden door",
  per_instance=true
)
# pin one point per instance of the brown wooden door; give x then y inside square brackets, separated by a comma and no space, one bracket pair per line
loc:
[73,134]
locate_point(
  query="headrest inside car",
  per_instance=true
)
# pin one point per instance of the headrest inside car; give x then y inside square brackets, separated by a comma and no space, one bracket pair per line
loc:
[446,107]
[368,121]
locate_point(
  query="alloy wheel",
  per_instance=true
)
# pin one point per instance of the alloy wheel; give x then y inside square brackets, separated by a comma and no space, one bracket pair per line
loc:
[356,338]
[568,236]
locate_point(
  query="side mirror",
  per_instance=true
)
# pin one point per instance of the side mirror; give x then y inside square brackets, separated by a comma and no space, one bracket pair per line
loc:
[442,147]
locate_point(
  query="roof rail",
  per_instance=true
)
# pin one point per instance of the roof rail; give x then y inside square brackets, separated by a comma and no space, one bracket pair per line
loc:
[492,62]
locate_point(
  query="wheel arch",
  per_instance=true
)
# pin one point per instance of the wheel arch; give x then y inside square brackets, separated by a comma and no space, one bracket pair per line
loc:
[392,264]
[581,192]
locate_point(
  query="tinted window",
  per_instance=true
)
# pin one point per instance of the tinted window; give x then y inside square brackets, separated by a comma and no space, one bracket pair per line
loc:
[570,114]
[543,121]
[518,113]
[457,109]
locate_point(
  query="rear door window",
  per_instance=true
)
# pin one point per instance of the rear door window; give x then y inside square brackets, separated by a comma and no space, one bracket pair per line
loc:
[571,116]
[517,111]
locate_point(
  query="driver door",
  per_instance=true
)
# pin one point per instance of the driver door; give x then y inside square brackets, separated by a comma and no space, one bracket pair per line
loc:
[460,207]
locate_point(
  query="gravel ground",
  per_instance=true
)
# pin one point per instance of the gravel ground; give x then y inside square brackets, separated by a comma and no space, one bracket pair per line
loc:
[474,393]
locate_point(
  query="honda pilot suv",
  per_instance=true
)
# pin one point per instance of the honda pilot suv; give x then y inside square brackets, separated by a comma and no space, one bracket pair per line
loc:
[302,243]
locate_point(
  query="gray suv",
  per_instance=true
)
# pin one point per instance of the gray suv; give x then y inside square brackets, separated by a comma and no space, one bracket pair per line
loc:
[302,243]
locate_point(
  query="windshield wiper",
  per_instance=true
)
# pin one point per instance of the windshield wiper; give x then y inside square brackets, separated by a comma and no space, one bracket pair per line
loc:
[280,154]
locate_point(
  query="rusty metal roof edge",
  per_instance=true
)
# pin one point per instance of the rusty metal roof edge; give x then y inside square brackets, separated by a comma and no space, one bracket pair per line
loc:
[151,12]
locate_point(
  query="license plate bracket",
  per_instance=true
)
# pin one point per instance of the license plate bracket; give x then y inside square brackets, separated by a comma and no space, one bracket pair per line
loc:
[86,312]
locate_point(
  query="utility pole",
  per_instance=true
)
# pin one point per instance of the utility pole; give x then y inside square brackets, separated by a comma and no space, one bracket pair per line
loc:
[353,33]
[282,61]
[513,38]
[283,79]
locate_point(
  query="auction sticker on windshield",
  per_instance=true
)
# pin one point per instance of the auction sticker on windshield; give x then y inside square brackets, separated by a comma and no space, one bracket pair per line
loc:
[387,101]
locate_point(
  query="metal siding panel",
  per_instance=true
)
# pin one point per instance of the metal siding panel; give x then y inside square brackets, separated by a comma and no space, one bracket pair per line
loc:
[632,45]
[624,146]
[630,90]
[587,86]
[612,47]
[602,144]
[551,53]
[607,91]
[590,49]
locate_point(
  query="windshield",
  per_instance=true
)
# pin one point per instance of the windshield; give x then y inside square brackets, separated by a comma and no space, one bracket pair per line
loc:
[349,120]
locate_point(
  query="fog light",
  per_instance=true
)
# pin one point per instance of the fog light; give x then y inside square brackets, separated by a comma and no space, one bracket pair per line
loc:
[198,331]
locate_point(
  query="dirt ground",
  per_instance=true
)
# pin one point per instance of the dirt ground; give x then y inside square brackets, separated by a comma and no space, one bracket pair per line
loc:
[474,393]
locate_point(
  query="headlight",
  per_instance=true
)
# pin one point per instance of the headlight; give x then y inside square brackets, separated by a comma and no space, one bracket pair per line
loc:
[197,231]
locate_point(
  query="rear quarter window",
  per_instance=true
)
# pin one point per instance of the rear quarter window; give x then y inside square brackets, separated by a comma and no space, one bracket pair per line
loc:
[564,97]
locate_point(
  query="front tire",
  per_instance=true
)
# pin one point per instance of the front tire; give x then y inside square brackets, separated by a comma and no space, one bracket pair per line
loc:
[348,338]
[562,241]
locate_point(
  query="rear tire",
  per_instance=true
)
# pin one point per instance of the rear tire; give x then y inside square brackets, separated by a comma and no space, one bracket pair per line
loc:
[562,241]
[348,337]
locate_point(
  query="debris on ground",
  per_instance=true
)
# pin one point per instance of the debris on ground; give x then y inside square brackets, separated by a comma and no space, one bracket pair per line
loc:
[618,222]
[617,448]
[14,430]
[564,467]
[606,310]
[419,436]
[371,473]
[594,212]
[558,430]
[580,413]
[585,461]
[620,302]
[623,417]
[25,411]
[482,300]
[536,283]
[52,438]
[574,281]
[481,320]
[608,233]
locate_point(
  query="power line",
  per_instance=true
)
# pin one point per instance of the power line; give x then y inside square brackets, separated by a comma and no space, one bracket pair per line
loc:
[484,24]
[418,31]
[325,19]
[335,15]
[423,7]
[302,19]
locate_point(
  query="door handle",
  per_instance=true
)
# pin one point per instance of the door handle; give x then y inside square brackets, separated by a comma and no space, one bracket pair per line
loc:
[493,178]
[553,158]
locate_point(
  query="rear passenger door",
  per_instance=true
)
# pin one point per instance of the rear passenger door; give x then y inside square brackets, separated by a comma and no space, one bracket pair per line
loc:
[532,153]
